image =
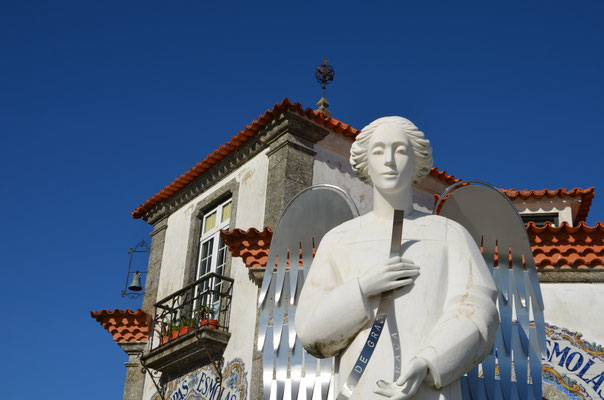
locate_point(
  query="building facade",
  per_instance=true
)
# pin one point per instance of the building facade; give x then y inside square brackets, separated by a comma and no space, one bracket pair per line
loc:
[196,333]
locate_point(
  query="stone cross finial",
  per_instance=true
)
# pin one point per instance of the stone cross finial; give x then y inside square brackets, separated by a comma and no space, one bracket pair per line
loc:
[324,75]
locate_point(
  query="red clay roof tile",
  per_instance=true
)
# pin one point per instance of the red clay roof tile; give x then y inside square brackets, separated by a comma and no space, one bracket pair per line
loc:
[443,176]
[237,141]
[124,325]
[566,246]
[251,245]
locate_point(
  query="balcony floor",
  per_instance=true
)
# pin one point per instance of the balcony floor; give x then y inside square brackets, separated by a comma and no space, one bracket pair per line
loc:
[187,351]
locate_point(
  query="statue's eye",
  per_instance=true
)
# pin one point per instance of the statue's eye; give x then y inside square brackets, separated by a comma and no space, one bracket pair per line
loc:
[378,151]
[401,150]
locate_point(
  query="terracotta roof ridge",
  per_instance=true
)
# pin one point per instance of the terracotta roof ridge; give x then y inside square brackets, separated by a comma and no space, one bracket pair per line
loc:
[251,245]
[589,262]
[578,250]
[444,176]
[562,192]
[102,312]
[241,232]
[565,226]
[124,325]
[236,141]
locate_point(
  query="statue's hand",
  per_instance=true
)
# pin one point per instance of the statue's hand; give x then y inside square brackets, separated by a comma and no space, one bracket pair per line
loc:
[407,384]
[394,273]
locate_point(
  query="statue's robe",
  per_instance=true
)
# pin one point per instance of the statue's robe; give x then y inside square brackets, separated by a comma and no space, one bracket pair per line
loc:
[447,316]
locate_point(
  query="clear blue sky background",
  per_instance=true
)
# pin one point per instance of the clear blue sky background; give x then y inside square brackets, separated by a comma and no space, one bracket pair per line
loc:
[104,103]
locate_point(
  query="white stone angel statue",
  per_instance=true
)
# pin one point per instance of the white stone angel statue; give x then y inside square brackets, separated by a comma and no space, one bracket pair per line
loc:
[443,318]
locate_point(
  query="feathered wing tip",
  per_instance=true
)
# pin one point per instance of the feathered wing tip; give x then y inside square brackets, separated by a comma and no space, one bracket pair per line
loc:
[287,367]
[513,367]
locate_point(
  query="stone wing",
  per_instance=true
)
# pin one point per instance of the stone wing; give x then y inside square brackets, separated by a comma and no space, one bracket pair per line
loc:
[304,222]
[513,368]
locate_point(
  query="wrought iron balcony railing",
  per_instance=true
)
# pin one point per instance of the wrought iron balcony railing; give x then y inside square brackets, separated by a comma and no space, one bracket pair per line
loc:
[203,305]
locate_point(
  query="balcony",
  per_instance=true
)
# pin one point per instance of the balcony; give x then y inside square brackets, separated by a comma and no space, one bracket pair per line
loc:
[190,327]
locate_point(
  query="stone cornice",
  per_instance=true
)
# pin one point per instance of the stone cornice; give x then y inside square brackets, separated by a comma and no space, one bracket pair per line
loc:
[305,129]
[586,276]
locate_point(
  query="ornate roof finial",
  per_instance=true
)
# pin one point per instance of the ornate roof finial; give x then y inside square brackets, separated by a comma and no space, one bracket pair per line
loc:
[324,74]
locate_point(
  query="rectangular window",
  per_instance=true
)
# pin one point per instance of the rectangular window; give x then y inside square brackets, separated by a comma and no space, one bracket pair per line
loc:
[540,219]
[212,252]
[226,212]
[209,222]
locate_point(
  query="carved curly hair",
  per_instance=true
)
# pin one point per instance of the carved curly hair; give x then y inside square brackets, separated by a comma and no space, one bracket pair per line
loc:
[421,147]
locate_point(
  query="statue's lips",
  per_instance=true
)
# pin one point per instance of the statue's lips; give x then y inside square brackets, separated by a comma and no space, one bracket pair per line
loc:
[389,174]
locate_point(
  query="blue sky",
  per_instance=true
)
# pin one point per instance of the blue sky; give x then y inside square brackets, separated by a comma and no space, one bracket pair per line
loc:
[104,103]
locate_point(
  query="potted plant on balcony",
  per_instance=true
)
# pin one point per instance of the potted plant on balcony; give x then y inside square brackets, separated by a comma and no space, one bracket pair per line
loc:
[203,314]
[175,331]
[164,333]
[186,325]
[181,328]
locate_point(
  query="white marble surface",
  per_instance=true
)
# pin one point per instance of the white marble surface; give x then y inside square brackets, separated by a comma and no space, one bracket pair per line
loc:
[443,317]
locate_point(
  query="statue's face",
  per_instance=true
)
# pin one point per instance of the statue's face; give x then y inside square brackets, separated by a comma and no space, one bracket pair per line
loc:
[390,163]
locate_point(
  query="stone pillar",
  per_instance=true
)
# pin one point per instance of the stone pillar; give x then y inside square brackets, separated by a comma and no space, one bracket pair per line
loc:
[290,162]
[291,155]
[158,237]
[135,379]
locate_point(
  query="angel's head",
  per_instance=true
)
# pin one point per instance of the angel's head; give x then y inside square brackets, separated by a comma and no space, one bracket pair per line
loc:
[390,153]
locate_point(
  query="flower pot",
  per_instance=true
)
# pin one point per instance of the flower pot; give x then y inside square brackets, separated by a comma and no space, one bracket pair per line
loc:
[212,323]
[184,330]
[164,339]
[174,334]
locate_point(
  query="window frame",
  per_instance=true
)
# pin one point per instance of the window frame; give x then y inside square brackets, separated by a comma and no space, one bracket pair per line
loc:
[212,238]
[539,219]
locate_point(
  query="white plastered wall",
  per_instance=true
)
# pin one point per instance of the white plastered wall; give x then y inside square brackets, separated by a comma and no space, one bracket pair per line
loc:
[252,181]
[575,306]
[566,210]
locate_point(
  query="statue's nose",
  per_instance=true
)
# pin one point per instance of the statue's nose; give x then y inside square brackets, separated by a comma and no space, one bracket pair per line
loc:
[388,157]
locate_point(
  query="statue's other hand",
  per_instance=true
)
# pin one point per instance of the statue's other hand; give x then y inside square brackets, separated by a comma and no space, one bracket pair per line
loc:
[407,384]
[391,274]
